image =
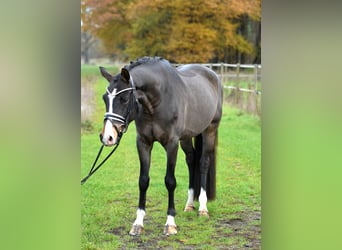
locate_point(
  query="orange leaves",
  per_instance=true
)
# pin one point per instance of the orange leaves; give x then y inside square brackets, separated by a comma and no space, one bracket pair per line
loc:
[191,42]
[182,31]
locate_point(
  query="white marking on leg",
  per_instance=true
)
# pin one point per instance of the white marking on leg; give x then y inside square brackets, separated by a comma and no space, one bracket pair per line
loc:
[170,226]
[170,221]
[140,218]
[190,201]
[203,201]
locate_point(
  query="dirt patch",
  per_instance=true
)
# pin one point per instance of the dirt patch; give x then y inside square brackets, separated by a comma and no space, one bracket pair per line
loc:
[244,226]
[116,231]
[242,229]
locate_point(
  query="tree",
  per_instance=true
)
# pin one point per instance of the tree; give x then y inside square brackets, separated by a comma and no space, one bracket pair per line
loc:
[150,29]
[109,23]
[192,36]
[231,42]
[181,31]
[87,39]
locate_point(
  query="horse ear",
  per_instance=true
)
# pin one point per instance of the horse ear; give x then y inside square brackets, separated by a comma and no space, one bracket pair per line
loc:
[125,75]
[105,74]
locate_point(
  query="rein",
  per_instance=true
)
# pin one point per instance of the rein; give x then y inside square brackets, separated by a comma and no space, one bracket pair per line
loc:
[93,169]
[114,117]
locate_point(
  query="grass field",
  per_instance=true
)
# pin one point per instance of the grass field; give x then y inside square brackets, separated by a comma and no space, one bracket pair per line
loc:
[109,199]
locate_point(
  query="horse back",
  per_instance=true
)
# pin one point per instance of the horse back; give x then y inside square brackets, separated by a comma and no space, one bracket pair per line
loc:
[190,71]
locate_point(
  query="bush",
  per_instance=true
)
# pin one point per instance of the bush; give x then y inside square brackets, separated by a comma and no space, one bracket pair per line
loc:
[87,126]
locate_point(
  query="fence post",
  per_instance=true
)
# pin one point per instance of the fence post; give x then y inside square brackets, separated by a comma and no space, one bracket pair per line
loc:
[221,72]
[256,74]
[257,111]
[237,93]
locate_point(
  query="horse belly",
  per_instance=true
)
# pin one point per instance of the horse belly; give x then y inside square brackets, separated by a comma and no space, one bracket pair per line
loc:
[198,118]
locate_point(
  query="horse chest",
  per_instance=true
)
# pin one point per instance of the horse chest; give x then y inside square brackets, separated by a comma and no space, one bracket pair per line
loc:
[156,132]
[162,133]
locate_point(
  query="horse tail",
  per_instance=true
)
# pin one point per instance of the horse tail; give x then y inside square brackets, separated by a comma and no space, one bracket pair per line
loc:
[211,176]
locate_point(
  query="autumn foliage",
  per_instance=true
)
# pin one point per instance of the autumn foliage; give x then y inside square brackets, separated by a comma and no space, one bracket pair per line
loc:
[181,31]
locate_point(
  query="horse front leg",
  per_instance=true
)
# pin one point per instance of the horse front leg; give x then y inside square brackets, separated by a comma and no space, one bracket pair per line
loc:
[144,151]
[170,182]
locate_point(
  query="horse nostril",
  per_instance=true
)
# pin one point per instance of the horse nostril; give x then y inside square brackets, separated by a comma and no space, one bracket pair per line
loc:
[110,138]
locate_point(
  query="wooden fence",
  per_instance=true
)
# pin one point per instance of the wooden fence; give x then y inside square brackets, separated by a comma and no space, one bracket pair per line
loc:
[242,84]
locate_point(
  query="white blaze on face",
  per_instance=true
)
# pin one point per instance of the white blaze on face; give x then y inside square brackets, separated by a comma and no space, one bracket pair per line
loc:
[111,97]
[109,134]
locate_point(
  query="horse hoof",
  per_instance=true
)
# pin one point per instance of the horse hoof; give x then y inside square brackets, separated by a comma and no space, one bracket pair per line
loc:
[170,230]
[189,208]
[203,213]
[136,230]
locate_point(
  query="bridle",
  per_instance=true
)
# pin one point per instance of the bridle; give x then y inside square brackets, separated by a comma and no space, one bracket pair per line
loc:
[112,117]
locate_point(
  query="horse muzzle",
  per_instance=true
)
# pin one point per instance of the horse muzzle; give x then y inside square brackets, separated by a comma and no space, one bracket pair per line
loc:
[110,133]
[108,141]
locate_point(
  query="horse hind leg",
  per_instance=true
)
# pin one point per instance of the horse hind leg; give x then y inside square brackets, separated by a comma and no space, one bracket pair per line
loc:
[188,149]
[208,169]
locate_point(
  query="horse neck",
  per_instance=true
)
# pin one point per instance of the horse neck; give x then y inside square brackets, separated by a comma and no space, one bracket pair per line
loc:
[149,87]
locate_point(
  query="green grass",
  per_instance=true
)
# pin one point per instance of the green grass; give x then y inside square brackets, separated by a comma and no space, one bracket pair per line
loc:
[93,70]
[109,199]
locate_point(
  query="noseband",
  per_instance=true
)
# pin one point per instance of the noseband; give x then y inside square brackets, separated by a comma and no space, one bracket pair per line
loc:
[113,117]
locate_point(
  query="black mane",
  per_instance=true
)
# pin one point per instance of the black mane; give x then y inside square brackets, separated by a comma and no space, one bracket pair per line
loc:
[144,60]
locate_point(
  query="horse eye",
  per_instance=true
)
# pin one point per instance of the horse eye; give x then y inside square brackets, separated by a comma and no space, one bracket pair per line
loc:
[123,100]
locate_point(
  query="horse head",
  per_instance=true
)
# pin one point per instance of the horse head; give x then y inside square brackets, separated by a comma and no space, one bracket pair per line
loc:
[120,103]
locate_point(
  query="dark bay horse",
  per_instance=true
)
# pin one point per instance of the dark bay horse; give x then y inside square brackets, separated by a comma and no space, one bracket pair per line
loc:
[169,105]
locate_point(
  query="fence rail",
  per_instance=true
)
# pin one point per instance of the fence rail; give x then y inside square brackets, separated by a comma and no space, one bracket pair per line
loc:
[258,92]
